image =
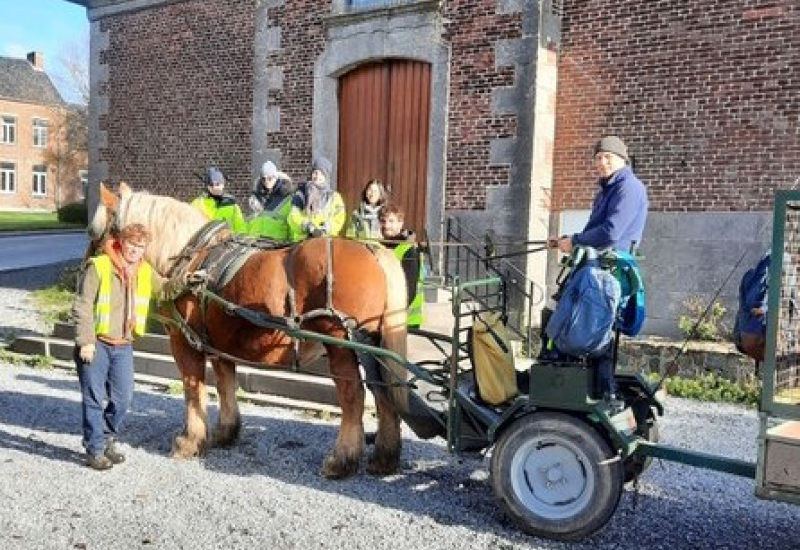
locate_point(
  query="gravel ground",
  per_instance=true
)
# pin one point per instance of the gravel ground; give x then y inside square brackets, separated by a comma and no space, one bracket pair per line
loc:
[266,491]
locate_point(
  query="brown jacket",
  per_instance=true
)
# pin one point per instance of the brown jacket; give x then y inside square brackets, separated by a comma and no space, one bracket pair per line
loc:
[83,307]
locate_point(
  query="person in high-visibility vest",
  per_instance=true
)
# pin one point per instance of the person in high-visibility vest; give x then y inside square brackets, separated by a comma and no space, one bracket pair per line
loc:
[270,204]
[403,242]
[317,210]
[364,221]
[110,309]
[218,205]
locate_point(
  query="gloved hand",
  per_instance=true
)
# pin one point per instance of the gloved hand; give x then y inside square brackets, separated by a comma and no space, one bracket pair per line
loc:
[87,353]
[316,232]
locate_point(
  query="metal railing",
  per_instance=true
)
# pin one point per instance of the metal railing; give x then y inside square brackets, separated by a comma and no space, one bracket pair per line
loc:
[466,256]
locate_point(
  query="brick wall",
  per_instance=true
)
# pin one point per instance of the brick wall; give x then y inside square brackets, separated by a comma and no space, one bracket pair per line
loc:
[707,95]
[473,30]
[179,95]
[302,41]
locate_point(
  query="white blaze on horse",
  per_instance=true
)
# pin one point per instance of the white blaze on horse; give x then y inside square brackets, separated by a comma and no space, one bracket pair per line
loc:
[329,286]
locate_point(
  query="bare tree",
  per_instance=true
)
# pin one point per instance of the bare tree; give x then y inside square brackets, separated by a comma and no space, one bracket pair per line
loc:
[68,148]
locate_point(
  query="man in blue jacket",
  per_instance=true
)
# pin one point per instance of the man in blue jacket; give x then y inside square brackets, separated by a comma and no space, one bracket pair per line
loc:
[617,222]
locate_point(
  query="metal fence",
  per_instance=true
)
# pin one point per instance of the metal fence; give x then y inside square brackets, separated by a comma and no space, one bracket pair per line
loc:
[467,256]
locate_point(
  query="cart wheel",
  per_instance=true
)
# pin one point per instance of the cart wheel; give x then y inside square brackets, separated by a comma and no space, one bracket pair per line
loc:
[555,476]
[637,464]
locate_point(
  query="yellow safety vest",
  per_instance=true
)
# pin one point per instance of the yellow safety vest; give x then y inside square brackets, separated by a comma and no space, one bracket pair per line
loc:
[102,308]
[230,213]
[416,315]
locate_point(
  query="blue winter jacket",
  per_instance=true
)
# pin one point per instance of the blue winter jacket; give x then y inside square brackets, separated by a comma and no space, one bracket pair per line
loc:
[618,213]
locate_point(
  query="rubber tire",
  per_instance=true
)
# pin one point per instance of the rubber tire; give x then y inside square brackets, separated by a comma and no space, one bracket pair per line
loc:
[535,440]
[637,465]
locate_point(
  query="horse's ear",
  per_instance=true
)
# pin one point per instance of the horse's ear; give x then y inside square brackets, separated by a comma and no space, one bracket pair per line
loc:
[107,198]
[124,190]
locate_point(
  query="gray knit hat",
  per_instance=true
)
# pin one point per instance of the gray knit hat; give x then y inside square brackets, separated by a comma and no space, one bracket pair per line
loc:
[612,144]
[323,165]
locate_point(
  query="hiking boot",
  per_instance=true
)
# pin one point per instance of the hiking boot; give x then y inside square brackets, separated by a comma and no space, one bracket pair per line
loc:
[113,453]
[98,462]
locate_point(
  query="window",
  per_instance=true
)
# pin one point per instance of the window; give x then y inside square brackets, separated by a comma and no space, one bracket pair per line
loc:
[7,177]
[40,132]
[39,181]
[9,129]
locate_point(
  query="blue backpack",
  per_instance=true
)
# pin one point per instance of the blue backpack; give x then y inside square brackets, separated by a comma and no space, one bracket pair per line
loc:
[752,294]
[632,313]
[582,323]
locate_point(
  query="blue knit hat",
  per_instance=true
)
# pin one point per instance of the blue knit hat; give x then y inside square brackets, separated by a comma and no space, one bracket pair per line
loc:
[214,176]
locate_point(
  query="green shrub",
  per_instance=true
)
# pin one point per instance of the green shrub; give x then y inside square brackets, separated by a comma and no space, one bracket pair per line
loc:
[75,212]
[713,387]
[711,328]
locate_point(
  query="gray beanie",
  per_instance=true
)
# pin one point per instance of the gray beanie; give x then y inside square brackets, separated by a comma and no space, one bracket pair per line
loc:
[323,165]
[269,170]
[612,144]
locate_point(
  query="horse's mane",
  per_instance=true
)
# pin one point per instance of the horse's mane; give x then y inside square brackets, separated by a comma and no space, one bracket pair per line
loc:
[171,222]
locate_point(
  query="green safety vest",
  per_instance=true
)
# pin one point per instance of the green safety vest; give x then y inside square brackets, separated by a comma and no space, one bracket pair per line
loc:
[102,307]
[416,297]
[272,225]
[230,213]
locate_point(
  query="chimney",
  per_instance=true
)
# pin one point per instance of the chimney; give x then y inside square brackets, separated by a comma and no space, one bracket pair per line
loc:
[37,60]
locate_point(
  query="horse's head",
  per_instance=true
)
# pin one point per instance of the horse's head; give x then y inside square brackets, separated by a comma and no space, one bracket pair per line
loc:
[171,222]
[106,219]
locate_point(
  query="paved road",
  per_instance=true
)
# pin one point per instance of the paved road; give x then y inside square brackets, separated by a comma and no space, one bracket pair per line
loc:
[22,251]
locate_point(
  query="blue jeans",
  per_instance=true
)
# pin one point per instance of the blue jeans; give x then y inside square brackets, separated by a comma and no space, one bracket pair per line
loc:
[107,391]
[605,384]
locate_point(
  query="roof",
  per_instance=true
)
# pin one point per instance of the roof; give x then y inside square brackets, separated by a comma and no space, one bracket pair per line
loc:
[19,81]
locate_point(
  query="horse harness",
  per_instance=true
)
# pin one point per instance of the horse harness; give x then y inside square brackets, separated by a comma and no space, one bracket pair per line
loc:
[213,257]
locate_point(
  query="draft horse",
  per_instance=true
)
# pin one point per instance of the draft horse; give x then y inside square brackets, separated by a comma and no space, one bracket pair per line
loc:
[354,283]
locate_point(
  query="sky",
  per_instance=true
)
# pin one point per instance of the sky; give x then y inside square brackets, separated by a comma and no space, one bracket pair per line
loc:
[54,27]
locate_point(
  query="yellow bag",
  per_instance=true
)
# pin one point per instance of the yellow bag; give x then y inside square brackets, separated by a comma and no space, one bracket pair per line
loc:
[492,359]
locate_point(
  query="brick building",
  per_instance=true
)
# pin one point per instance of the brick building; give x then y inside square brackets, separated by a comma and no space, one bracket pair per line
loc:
[38,171]
[482,110]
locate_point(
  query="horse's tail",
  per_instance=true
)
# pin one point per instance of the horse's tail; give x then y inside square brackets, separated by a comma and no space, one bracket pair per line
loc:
[393,328]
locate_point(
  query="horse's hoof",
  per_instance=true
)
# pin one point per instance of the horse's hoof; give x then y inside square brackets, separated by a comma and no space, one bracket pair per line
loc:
[183,447]
[334,468]
[225,437]
[383,464]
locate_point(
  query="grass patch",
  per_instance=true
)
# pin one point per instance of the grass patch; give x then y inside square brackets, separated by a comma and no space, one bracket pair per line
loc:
[55,302]
[42,362]
[33,221]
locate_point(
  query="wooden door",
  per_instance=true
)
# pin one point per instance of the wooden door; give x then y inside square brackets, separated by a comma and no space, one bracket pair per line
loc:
[384,115]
